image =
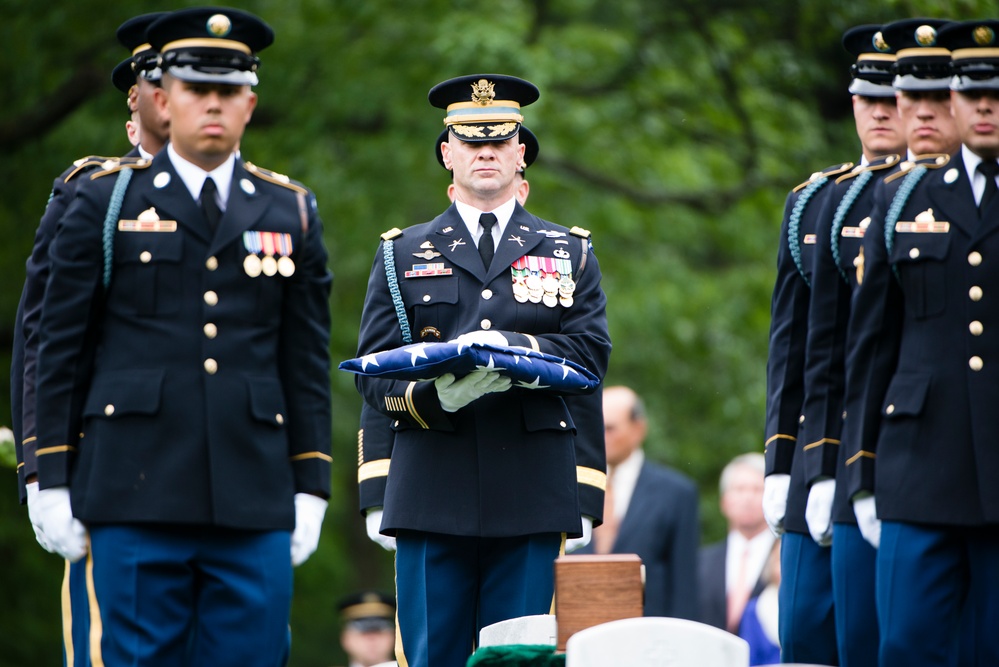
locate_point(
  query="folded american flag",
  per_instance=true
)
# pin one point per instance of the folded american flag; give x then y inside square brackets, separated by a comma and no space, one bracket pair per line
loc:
[427,361]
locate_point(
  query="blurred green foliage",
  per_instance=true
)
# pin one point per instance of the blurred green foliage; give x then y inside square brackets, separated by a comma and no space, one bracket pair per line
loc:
[671,130]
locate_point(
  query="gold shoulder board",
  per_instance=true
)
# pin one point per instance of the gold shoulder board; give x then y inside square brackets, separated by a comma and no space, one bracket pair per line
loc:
[391,234]
[580,232]
[273,177]
[828,172]
[114,165]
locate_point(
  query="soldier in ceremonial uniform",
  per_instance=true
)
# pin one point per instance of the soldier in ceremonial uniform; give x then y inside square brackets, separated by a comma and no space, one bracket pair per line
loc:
[795,461]
[922,382]
[201,473]
[367,634]
[134,77]
[918,77]
[484,480]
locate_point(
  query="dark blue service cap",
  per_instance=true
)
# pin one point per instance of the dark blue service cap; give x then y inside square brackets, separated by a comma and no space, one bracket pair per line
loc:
[211,44]
[872,73]
[921,63]
[531,147]
[483,107]
[144,61]
[975,54]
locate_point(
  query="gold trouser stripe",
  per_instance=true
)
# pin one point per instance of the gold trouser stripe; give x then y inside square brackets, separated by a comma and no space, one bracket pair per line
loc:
[779,436]
[561,552]
[67,618]
[591,476]
[859,455]
[96,627]
[400,653]
[411,408]
[311,455]
[819,443]
[372,469]
[54,450]
[534,342]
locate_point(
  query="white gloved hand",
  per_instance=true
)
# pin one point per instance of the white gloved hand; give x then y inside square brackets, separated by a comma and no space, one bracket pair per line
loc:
[309,513]
[481,338]
[867,519]
[580,542]
[65,534]
[456,394]
[373,522]
[36,525]
[818,511]
[775,489]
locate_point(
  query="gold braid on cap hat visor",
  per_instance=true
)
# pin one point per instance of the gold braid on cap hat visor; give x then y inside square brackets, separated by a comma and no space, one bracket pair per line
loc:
[882,57]
[195,43]
[140,48]
[497,112]
[921,52]
[961,54]
[367,610]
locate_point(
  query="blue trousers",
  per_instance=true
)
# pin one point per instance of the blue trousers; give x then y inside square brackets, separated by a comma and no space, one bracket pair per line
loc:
[938,595]
[806,625]
[449,587]
[198,596]
[853,568]
[76,615]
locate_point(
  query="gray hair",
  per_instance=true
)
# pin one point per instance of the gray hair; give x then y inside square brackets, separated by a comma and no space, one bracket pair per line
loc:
[753,460]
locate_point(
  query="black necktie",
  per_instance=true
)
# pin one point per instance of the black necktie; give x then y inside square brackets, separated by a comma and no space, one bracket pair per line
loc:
[486,248]
[209,206]
[990,169]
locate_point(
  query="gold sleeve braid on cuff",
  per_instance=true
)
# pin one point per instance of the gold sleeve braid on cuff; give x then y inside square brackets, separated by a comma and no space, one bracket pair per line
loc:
[819,443]
[373,469]
[779,436]
[311,455]
[55,450]
[860,455]
[534,342]
[411,407]
[592,477]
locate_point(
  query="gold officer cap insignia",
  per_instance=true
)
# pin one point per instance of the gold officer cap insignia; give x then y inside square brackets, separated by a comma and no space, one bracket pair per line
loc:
[984,35]
[219,25]
[482,92]
[879,42]
[926,35]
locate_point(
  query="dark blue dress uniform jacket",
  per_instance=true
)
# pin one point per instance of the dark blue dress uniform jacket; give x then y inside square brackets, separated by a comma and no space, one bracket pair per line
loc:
[509,463]
[840,236]
[923,359]
[24,355]
[788,331]
[209,401]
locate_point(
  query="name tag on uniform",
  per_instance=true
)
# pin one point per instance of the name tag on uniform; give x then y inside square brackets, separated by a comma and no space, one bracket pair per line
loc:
[809,239]
[920,227]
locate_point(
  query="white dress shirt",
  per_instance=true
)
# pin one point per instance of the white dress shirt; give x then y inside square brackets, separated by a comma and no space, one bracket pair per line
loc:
[470,216]
[194,176]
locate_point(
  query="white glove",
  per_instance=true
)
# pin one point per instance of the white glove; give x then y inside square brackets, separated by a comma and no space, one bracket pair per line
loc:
[580,542]
[818,511]
[775,488]
[481,338]
[309,513]
[373,522]
[36,525]
[867,519]
[456,394]
[64,534]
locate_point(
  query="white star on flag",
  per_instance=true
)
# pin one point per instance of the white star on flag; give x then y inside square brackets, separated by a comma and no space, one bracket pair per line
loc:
[566,369]
[417,352]
[532,385]
[368,359]
[489,366]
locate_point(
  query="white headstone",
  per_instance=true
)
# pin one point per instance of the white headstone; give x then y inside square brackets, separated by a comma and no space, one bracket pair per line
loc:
[540,630]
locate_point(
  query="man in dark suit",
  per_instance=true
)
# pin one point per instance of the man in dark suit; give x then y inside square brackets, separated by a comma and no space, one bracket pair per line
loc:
[484,480]
[201,474]
[730,571]
[922,382]
[650,510]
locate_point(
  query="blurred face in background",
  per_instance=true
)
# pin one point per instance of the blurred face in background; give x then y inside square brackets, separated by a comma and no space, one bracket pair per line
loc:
[878,125]
[742,500]
[623,434]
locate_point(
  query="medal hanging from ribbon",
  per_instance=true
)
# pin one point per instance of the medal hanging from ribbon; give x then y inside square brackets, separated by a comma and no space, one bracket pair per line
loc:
[276,249]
